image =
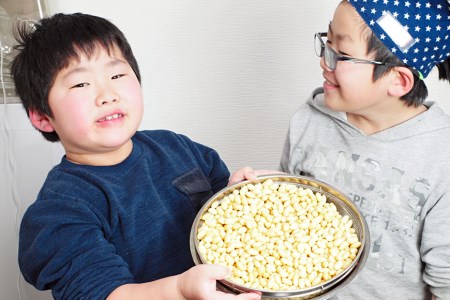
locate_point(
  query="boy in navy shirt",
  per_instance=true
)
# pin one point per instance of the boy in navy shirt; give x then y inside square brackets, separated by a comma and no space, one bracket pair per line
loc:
[112,220]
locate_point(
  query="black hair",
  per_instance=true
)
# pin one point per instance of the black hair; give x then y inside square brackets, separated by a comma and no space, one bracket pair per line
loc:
[49,45]
[419,92]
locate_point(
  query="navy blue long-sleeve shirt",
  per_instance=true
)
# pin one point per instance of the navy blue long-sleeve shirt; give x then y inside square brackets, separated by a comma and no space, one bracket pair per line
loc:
[94,228]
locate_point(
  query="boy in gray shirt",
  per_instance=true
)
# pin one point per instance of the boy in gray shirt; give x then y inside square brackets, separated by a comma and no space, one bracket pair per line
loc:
[369,132]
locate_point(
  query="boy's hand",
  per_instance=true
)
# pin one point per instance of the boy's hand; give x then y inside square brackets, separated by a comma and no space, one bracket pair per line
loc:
[247,173]
[199,283]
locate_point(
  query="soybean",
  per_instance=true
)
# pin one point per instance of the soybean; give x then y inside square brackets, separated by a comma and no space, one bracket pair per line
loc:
[277,236]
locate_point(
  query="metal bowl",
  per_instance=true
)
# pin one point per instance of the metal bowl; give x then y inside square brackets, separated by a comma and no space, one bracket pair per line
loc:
[322,291]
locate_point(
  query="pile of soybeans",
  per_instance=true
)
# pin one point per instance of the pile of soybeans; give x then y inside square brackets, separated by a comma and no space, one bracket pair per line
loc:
[277,236]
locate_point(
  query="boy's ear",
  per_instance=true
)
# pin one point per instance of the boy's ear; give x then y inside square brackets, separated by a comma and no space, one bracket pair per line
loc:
[402,83]
[40,121]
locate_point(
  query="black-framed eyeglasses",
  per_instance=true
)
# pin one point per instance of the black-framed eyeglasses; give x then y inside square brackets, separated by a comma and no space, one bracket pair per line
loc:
[331,57]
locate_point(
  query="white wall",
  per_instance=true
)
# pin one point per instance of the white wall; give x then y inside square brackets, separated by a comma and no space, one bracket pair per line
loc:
[227,73]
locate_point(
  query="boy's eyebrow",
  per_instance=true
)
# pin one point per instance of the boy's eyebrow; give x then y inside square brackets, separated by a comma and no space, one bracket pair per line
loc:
[339,37]
[75,70]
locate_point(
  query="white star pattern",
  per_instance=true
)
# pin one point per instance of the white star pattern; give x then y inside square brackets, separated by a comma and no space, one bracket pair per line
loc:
[427,22]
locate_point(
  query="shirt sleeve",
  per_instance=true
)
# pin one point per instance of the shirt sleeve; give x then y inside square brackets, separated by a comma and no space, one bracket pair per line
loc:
[63,248]
[284,161]
[435,248]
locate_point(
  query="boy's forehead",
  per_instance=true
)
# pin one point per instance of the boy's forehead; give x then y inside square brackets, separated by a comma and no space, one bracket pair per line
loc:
[347,25]
[74,64]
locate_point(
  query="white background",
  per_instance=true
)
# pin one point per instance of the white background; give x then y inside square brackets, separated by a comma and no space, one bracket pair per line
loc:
[227,73]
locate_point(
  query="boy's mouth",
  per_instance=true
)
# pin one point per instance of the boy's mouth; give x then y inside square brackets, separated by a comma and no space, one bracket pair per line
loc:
[110,117]
[327,82]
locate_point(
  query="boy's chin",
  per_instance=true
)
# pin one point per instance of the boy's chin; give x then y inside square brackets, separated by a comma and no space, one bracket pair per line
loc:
[332,103]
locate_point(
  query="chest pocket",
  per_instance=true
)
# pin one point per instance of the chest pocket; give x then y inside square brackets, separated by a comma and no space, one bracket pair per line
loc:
[195,185]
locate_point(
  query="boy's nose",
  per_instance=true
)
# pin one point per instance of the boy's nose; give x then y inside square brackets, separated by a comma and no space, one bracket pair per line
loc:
[106,98]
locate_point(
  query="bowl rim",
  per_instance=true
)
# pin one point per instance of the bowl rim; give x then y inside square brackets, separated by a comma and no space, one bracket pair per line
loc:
[311,183]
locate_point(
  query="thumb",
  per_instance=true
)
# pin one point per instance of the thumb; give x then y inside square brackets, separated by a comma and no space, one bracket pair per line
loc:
[216,272]
[242,174]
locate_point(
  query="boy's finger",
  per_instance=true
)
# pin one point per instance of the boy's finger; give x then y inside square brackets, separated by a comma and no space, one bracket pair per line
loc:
[216,272]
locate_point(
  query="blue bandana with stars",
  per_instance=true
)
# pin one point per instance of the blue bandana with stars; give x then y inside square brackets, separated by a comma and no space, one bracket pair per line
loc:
[417,32]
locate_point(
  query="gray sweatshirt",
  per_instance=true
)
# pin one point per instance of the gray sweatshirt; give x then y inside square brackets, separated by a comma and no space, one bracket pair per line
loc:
[400,180]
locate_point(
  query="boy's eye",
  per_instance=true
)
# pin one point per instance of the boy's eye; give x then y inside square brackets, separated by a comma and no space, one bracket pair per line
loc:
[344,54]
[117,76]
[80,85]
